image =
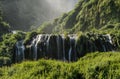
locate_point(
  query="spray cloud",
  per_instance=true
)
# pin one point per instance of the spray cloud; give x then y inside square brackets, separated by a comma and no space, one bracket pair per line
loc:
[21,14]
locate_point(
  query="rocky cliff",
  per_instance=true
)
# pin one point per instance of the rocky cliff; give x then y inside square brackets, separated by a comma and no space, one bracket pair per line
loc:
[62,47]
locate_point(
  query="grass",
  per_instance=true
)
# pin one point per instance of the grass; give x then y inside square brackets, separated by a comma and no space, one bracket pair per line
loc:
[92,66]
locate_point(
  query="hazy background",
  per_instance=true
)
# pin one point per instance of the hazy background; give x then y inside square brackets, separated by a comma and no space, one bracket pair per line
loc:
[22,14]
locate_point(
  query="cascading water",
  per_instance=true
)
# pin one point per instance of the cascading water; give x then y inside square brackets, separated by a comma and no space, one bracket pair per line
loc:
[75,43]
[35,45]
[20,51]
[109,42]
[47,43]
[70,50]
[63,41]
[109,39]
[72,47]
[38,39]
[104,48]
[33,48]
[57,47]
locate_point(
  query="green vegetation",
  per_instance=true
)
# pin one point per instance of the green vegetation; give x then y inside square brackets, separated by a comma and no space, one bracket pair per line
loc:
[29,37]
[5,61]
[7,46]
[89,15]
[100,17]
[92,66]
[84,41]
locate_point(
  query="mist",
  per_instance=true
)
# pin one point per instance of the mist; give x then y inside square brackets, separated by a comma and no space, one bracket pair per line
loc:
[22,14]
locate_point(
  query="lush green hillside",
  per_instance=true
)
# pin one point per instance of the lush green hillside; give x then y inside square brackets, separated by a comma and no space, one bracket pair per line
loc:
[92,66]
[88,15]
[99,16]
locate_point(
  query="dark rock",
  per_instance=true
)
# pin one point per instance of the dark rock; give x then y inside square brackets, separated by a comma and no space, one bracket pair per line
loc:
[66,48]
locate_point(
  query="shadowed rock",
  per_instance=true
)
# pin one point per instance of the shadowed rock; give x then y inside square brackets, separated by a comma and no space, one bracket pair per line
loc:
[66,48]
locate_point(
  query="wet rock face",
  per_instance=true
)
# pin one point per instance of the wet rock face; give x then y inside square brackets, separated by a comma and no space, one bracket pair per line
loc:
[69,48]
[52,47]
[92,43]
[19,53]
[42,50]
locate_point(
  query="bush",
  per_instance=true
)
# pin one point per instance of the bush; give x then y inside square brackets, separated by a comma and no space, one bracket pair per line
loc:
[8,42]
[95,65]
[5,61]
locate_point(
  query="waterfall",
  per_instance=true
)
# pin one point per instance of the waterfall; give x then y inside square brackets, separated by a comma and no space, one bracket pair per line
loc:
[48,43]
[63,40]
[70,50]
[20,51]
[75,43]
[109,38]
[35,45]
[104,48]
[58,45]
[108,41]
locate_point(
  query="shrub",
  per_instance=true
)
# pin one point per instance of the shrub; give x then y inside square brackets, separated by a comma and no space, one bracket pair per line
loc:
[5,61]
